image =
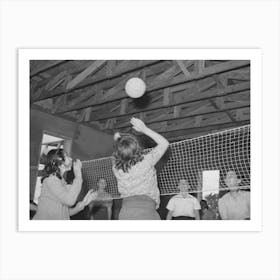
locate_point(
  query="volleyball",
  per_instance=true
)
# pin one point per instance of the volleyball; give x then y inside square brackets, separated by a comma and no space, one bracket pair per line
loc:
[135,87]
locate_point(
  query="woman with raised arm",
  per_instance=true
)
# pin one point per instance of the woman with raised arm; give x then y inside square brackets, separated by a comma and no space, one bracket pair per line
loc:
[136,173]
[57,198]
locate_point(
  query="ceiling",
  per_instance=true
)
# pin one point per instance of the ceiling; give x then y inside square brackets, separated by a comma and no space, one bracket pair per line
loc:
[184,98]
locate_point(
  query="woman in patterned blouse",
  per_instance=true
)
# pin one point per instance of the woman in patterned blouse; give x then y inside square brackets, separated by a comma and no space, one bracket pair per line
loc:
[136,173]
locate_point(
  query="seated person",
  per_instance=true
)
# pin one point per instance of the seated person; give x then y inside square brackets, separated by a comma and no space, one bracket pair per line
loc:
[206,213]
[234,205]
[103,199]
[183,206]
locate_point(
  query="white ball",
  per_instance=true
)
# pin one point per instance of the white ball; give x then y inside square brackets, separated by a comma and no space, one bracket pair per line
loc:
[135,87]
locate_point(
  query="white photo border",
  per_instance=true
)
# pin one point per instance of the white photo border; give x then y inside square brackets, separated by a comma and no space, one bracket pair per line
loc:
[24,57]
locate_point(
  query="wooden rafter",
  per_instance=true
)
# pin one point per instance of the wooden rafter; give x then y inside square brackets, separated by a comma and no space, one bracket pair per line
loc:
[68,67]
[183,68]
[44,66]
[188,116]
[162,81]
[182,98]
[176,111]
[200,66]
[218,108]
[121,69]
[190,127]
[56,81]
[123,107]
[234,89]
[95,66]
[199,131]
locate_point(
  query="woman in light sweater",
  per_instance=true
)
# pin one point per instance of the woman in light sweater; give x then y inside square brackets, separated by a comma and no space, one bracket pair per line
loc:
[57,199]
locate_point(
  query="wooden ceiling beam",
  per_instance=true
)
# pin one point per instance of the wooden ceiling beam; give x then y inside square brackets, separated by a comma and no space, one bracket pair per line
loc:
[242,74]
[108,72]
[95,66]
[87,114]
[215,69]
[68,68]
[197,120]
[162,81]
[176,111]
[166,97]
[125,67]
[200,131]
[185,117]
[110,67]
[218,107]
[183,68]
[204,126]
[161,116]
[56,81]
[123,108]
[213,93]
[196,108]
[44,65]
[200,66]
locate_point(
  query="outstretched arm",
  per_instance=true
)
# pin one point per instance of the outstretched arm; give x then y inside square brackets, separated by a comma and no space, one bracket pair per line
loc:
[90,196]
[162,143]
[74,210]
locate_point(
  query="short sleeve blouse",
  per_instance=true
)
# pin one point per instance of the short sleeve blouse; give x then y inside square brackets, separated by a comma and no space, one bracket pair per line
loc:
[141,179]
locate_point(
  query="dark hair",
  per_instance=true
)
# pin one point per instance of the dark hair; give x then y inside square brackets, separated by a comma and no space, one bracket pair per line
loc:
[127,152]
[204,204]
[54,159]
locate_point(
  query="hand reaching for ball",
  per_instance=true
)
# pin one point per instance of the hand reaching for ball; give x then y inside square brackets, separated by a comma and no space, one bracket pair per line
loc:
[138,125]
[77,166]
[117,136]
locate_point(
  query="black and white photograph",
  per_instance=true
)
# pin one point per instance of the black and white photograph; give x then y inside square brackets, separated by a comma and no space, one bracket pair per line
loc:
[140,140]
[178,132]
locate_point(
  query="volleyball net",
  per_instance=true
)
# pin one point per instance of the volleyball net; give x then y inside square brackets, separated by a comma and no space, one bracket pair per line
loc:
[224,151]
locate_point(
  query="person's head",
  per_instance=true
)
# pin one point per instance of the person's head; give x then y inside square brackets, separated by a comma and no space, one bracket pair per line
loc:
[183,186]
[57,162]
[127,151]
[101,183]
[232,180]
[203,204]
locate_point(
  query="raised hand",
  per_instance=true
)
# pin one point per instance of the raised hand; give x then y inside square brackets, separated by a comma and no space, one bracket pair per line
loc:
[116,136]
[90,196]
[138,125]
[77,168]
